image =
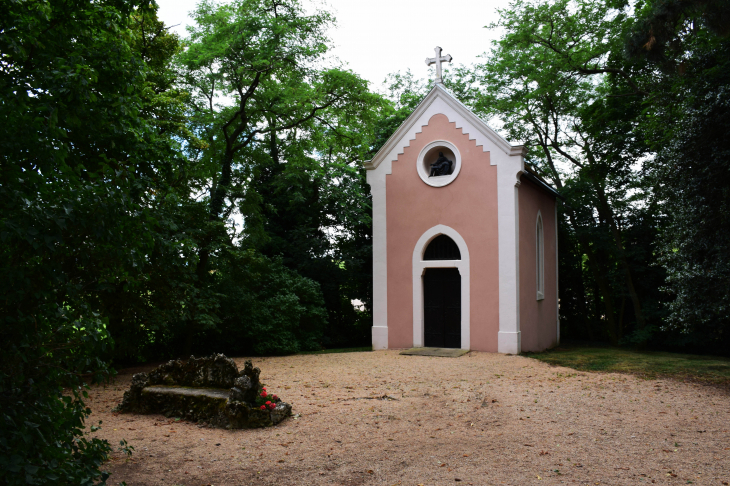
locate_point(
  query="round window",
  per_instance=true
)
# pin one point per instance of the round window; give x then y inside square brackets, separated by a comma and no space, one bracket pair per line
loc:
[439,163]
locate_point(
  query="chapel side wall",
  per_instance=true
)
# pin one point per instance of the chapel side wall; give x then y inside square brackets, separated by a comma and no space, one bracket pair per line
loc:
[538,318]
[469,206]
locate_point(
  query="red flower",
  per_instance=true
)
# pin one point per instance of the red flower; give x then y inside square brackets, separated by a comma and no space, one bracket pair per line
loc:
[264,394]
[274,397]
[263,388]
[272,406]
[263,407]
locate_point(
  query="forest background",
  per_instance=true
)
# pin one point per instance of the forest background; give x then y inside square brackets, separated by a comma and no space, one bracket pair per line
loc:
[127,153]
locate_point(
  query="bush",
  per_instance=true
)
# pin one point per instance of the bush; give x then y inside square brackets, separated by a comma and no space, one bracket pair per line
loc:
[47,361]
[267,308]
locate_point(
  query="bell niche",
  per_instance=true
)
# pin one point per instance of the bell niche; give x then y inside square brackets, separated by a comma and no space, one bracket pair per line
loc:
[439,163]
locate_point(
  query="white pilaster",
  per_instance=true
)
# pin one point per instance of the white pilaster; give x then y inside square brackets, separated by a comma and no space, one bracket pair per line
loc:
[376,179]
[557,266]
[508,172]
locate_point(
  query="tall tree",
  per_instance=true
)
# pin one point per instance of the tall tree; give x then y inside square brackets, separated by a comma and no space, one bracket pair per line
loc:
[144,307]
[556,80]
[260,94]
[685,45]
[313,201]
[77,164]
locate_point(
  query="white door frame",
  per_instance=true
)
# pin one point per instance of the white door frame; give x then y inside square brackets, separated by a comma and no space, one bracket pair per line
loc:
[419,268]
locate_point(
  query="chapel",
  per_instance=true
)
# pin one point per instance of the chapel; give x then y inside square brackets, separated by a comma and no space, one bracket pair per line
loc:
[464,236]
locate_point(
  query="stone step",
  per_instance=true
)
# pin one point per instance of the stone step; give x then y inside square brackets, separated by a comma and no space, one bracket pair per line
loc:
[215,393]
[441,352]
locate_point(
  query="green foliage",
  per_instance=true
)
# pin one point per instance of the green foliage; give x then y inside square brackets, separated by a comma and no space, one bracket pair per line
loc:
[76,163]
[665,29]
[315,213]
[268,308]
[694,170]
[125,448]
[404,93]
[46,365]
[263,56]
[635,146]
[291,170]
[285,134]
[646,364]
[146,302]
[683,47]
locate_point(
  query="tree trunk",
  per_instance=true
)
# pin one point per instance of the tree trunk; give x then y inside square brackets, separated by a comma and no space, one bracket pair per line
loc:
[621,317]
[219,192]
[593,264]
[603,284]
[608,214]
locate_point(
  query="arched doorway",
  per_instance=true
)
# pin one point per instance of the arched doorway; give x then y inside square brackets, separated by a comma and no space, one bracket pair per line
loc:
[442,308]
[441,290]
[442,296]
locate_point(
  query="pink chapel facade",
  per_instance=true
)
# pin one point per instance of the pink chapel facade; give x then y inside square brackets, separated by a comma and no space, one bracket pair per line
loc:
[466,259]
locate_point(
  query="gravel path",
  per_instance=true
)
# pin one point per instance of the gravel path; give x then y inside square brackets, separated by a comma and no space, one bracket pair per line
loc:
[379,418]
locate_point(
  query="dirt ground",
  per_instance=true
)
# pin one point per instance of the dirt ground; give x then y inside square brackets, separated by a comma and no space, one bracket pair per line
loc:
[480,419]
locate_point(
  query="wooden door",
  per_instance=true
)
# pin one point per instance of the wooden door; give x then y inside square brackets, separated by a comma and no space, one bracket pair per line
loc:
[442,308]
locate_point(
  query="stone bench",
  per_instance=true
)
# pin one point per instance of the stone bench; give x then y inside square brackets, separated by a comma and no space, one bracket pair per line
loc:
[204,390]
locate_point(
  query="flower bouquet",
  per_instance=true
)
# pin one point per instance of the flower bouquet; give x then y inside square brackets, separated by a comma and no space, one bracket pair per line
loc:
[265,400]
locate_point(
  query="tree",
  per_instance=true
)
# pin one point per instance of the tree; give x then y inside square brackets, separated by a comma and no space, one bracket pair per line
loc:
[685,46]
[259,95]
[312,201]
[77,162]
[145,305]
[618,109]
[557,81]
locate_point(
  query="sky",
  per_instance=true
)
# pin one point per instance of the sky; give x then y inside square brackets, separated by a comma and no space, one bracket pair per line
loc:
[377,37]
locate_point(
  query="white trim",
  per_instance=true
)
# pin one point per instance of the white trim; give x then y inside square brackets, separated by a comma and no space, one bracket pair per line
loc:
[376,179]
[557,266]
[440,101]
[438,181]
[509,170]
[539,257]
[419,267]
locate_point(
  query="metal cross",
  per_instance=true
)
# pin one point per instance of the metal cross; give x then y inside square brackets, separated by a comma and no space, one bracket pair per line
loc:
[437,61]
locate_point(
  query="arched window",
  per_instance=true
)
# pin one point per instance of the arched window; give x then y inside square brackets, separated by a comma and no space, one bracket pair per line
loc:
[540,257]
[442,248]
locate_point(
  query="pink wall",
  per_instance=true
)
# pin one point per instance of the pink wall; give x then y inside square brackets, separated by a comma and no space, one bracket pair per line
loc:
[538,319]
[469,206]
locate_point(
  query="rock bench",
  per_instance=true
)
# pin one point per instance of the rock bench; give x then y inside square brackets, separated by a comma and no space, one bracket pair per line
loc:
[208,390]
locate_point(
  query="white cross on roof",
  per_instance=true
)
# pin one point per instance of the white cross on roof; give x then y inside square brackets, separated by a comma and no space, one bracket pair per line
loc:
[437,61]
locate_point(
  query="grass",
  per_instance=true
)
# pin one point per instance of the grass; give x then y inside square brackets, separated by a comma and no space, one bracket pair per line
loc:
[647,364]
[339,350]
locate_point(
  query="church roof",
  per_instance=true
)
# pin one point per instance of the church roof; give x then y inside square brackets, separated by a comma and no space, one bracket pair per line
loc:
[533,176]
[458,113]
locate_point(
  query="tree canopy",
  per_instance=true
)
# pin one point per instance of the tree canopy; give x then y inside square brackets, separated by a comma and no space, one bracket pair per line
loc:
[77,162]
[604,94]
[161,196]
